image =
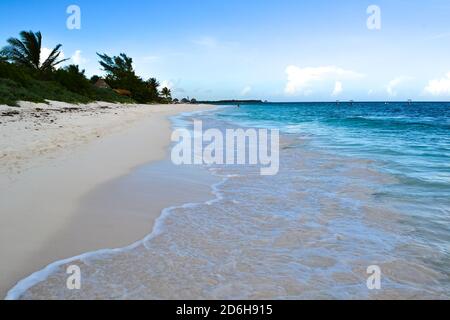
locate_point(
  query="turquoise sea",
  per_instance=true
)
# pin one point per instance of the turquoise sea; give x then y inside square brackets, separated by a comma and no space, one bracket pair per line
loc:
[373,179]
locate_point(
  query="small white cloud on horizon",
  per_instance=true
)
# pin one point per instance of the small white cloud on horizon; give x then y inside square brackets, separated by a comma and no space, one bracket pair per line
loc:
[45,53]
[441,35]
[246,91]
[393,84]
[439,87]
[338,88]
[300,80]
[78,59]
[370,92]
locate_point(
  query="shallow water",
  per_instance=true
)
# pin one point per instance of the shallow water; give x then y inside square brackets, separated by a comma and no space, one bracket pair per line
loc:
[360,185]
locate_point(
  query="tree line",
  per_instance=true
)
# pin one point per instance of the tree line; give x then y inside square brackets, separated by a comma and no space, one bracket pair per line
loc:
[24,76]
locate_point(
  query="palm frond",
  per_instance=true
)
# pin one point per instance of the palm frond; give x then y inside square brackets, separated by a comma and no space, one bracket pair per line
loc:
[51,61]
[27,51]
[33,43]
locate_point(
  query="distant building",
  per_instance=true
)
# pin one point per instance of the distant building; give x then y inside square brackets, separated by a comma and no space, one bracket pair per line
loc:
[102,84]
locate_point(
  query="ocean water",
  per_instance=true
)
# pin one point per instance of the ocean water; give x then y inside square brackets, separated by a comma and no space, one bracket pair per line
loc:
[360,185]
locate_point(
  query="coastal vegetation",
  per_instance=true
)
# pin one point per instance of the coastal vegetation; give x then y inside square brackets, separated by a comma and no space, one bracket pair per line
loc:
[167,94]
[25,75]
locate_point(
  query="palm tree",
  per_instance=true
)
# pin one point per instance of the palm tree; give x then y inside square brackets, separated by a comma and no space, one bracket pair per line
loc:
[27,50]
[152,86]
[166,93]
[153,83]
[116,66]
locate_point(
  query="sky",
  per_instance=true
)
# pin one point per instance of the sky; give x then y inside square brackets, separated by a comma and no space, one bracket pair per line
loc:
[276,50]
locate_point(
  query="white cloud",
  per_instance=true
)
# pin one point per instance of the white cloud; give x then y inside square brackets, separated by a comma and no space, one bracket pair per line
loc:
[45,53]
[148,59]
[301,80]
[208,42]
[246,91]
[173,85]
[211,43]
[78,59]
[338,88]
[370,92]
[393,84]
[439,87]
[167,84]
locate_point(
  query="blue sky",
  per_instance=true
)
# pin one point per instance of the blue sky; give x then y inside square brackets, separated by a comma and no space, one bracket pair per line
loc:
[279,50]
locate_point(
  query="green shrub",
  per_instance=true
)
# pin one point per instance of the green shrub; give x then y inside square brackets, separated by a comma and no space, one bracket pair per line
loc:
[109,95]
[36,91]
[16,73]
[11,92]
[73,80]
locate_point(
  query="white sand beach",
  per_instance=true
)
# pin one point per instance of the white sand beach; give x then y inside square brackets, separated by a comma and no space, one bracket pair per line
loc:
[52,157]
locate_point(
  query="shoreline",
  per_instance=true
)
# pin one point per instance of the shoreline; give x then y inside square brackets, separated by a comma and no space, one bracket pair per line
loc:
[204,192]
[43,192]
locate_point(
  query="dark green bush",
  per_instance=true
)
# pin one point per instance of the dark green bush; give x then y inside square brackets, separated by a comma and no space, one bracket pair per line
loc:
[74,80]
[16,73]
[37,91]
